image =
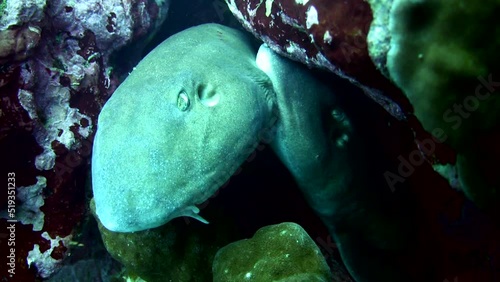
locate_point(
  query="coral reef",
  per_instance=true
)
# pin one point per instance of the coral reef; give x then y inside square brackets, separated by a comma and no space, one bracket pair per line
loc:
[30,199]
[43,261]
[55,77]
[281,252]
[17,44]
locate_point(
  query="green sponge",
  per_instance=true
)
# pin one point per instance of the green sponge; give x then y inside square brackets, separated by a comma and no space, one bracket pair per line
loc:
[444,56]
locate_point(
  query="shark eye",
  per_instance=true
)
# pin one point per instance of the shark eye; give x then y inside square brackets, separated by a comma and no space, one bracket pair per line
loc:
[183,101]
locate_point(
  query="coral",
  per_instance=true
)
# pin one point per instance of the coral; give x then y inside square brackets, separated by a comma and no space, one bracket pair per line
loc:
[176,251]
[54,78]
[19,29]
[16,13]
[44,262]
[437,57]
[281,252]
[444,56]
[28,208]
[17,44]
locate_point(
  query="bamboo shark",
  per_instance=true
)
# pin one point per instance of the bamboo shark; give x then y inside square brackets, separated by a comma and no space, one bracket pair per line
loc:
[195,108]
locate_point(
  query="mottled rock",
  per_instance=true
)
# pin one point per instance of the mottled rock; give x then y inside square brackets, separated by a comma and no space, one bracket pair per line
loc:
[326,34]
[282,252]
[17,44]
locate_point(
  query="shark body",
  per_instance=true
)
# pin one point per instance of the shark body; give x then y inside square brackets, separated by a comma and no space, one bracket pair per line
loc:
[168,136]
[194,109]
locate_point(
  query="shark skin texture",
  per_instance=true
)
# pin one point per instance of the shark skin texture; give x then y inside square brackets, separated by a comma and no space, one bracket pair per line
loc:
[170,136]
[197,106]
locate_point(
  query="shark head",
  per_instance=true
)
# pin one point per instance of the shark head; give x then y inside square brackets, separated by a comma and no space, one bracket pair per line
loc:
[178,127]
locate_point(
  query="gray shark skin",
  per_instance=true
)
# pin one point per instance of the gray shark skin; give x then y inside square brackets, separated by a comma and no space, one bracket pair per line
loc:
[192,111]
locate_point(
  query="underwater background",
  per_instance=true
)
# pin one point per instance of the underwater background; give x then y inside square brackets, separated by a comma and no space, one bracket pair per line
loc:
[416,81]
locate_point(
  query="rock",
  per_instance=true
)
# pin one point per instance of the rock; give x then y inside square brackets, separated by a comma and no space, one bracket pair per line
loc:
[14,13]
[281,252]
[17,43]
[326,34]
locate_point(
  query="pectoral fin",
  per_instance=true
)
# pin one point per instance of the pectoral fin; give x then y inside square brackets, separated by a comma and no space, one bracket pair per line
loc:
[191,211]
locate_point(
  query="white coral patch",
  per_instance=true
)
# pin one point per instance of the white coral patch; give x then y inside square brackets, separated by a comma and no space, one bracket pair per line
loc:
[311,36]
[237,13]
[289,21]
[45,264]
[60,118]
[296,50]
[301,2]
[269,5]
[327,37]
[311,17]
[30,200]
[252,12]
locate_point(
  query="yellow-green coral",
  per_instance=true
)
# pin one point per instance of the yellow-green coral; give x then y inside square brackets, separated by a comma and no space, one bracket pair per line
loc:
[444,56]
[176,251]
[281,252]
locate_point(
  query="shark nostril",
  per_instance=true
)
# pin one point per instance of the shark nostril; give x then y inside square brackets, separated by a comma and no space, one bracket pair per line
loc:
[208,96]
[183,101]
